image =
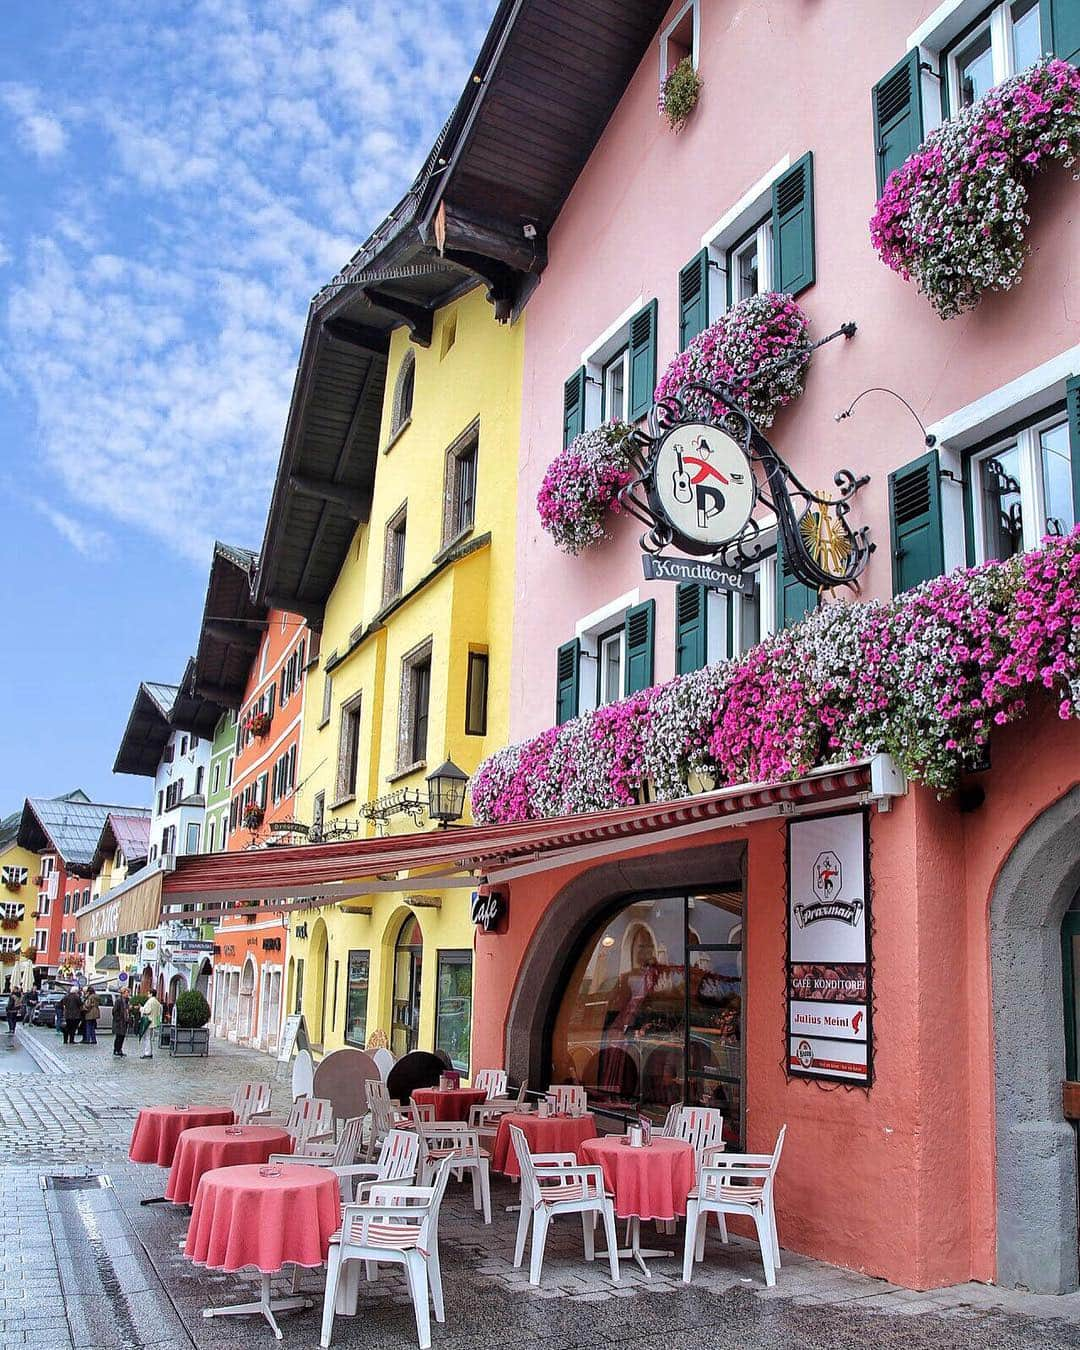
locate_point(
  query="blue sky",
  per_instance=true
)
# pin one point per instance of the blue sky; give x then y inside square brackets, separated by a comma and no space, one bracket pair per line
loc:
[177,178]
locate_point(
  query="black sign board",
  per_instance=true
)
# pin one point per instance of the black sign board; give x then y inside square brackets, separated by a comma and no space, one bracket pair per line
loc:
[661,568]
[488,908]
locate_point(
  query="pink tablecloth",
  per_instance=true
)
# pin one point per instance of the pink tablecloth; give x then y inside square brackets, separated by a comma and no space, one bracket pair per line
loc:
[647,1183]
[203,1150]
[452,1105]
[551,1134]
[244,1219]
[157,1128]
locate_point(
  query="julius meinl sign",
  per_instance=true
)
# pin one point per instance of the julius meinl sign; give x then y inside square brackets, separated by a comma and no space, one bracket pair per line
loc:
[828,956]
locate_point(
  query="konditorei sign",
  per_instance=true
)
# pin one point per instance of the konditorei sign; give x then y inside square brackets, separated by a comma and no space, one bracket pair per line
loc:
[717,578]
[828,967]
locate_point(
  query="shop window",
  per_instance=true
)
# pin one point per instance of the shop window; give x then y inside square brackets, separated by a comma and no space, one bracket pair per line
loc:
[476,695]
[680,38]
[348,750]
[394,567]
[404,387]
[460,486]
[414,706]
[1020,488]
[652,1009]
[453,1007]
[408,968]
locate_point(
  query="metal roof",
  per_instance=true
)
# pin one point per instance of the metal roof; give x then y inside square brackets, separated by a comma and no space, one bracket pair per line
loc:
[70,826]
[232,627]
[157,710]
[547,79]
[129,832]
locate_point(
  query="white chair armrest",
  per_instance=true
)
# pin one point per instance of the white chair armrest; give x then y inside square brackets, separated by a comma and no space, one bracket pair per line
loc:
[350,1212]
[408,1192]
[748,1159]
[358,1170]
[555,1160]
[284,1158]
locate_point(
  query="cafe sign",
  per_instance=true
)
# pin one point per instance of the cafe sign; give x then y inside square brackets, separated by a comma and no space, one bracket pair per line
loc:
[828,950]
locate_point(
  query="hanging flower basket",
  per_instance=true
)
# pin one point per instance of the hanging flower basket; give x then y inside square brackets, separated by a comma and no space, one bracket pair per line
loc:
[952,217]
[924,678]
[9,925]
[253,817]
[39,880]
[679,94]
[745,348]
[12,885]
[258,724]
[581,485]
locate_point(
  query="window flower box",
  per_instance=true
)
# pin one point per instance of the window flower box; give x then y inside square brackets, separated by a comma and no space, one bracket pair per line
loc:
[582,484]
[679,94]
[12,884]
[258,724]
[952,216]
[9,925]
[253,817]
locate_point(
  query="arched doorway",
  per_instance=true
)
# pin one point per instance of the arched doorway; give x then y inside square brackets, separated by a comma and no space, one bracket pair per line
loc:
[408,965]
[177,985]
[318,958]
[1036,1147]
[246,1003]
[202,982]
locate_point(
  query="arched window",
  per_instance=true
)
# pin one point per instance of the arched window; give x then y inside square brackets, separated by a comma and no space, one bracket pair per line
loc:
[408,964]
[403,393]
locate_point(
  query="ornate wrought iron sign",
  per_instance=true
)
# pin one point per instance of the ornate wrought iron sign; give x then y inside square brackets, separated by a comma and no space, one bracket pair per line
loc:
[698,482]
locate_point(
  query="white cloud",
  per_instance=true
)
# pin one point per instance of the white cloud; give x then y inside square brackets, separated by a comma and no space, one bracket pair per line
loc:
[239,158]
[38,131]
[85,539]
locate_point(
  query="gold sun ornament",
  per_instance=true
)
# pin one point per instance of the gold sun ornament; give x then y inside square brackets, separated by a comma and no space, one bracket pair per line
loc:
[825,538]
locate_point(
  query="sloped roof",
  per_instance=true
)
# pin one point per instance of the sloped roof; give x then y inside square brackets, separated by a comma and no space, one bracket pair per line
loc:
[9,829]
[127,831]
[232,627]
[147,731]
[69,825]
[190,711]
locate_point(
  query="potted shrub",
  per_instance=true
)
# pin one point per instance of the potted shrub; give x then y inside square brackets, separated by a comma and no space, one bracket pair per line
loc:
[679,94]
[191,1036]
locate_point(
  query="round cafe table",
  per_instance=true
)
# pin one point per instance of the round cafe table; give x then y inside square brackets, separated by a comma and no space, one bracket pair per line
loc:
[545,1134]
[451,1104]
[157,1128]
[209,1147]
[651,1182]
[242,1219]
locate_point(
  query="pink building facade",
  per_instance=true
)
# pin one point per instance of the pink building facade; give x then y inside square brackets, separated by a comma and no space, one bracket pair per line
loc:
[957,1162]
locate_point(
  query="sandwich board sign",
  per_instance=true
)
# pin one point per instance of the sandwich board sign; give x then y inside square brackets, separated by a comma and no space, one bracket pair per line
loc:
[294,1036]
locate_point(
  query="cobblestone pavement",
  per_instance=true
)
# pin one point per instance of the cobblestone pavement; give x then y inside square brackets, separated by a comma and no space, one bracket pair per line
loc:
[92,1268]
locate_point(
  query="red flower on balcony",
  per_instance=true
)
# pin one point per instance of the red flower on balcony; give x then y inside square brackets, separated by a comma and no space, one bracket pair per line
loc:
[253,817]
[12,884]
[9,925]
[258,723]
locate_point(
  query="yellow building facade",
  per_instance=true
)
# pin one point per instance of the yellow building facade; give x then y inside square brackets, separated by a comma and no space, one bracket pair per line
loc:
[412,671]
[18,902]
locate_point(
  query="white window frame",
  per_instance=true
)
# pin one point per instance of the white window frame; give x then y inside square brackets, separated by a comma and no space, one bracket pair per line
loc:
[753,211]
[41,939]
[48,864]
[621,364]
[44,904]
[1029,477]
[692,7]
[211,835]
[617,638]
[762,240]
[589,630]
[598,355]
[999,24]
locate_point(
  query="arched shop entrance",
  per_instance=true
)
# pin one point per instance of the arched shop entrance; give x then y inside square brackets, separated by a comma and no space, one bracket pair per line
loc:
[318,958]
[1031,941]
[652,1009]
[408,963]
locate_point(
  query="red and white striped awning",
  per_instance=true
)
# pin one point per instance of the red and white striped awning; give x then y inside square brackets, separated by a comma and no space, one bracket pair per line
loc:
[309,874]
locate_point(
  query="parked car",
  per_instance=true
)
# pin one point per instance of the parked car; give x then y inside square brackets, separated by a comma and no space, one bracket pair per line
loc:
[44,1015]
[106,1002]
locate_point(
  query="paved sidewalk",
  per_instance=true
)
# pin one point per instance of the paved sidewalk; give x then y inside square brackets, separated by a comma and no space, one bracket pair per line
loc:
[92,1268]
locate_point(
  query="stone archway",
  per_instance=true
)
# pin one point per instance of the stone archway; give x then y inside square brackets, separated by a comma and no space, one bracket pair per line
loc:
[1036,1146]
[571,915]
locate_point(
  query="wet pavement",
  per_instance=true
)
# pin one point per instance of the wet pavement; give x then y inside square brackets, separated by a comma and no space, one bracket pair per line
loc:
[14,1058]
[85,1265]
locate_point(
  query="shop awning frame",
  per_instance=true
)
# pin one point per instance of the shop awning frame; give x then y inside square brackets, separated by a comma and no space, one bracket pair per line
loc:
[310,876]
[133,906]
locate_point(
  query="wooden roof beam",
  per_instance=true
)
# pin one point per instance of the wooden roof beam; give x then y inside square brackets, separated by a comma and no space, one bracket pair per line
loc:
[217,693]
[358,335]
[247,633]
[417,319]
[355,502]
[503,241]
[292,605]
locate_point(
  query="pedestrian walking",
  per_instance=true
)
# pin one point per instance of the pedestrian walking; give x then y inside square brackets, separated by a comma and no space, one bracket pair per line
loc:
[91,1010]
[13,1008]
[71,1009]
[121,1022]
[151,1011]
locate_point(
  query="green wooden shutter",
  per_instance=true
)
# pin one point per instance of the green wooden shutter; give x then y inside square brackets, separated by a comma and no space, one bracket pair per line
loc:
[794,598]
[642,360]
[691,634]
[918,552]
[573,406]
[693,298]
[1072,402]
[898,120]
[793,227]
[638,644]
[1060,23]
[567,668]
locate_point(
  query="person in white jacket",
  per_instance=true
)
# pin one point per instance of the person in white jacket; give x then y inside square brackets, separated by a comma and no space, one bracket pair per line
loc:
[152,1011]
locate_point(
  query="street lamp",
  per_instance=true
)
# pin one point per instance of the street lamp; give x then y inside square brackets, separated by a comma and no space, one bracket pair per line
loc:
[446,793]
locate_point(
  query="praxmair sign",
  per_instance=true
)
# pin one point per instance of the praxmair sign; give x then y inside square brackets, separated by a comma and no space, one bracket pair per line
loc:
[698,483]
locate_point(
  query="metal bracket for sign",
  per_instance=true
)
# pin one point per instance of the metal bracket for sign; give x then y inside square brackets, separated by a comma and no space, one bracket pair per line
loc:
[819,547]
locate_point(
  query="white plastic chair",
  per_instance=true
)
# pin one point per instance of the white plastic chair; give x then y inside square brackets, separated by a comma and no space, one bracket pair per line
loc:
[386,1115]
[311,1120]
[249,1100]
[461,1145]
[384,1061]
[491,1081]
[738,1183]
[303,1075]
[668,1132]
[702,1127]
[569,1097]
[397,1165]
[553,1184]
[399,1225]
[342,1154]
